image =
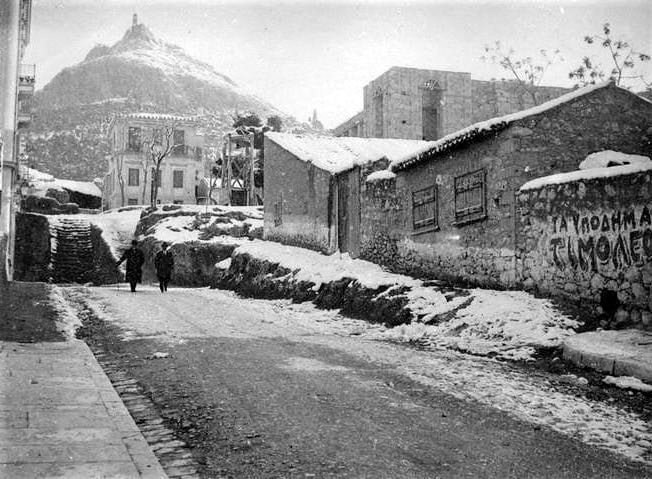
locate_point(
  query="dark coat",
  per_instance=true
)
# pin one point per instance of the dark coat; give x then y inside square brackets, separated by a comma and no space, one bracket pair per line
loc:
[135,259]
[164,262]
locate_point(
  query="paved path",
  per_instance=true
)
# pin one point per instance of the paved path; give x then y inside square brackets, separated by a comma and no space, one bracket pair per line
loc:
[61,418]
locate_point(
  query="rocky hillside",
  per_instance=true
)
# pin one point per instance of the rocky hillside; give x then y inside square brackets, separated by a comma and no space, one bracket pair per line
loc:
[138,73]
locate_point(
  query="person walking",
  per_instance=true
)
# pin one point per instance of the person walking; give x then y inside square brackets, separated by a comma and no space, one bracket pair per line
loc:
[135,259]
[164,262]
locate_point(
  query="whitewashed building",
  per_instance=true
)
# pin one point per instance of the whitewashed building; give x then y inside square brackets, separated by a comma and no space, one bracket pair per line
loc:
[130,169]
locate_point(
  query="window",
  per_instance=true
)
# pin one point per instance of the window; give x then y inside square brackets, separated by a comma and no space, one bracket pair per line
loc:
[133,177]
[431,99]
[470,202]
[132,201]
[177,178]
[198,153]
[179,142]
[424,209]
[134,141]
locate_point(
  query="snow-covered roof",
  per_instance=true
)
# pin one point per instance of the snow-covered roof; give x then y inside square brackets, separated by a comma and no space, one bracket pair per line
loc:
[43,181]
[487,128]
[159,117]
[588,174]
[83,187]
[338,154]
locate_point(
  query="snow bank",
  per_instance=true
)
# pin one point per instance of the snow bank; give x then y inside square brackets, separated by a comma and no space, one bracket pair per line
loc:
[506,324]
[610,158]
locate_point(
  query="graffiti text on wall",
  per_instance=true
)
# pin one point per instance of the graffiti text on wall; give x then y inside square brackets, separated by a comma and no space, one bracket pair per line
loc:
[609,240]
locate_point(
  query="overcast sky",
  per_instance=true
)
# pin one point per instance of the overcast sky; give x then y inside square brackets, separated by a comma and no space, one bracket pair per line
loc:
[304,55]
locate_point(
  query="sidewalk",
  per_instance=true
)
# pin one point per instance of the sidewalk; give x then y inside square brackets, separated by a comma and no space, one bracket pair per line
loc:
[61,418]
[618,353]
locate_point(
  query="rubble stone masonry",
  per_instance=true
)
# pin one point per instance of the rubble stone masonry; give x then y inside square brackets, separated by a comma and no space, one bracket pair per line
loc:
[486,251]
[581,238]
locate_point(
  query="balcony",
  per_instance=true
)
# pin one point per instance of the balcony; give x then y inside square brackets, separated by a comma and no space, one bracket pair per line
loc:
[26,79]
[186,151]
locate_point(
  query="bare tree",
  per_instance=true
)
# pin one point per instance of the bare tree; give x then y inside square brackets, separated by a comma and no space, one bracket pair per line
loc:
[156,148]
[527,71]
[121,181]
[623,57]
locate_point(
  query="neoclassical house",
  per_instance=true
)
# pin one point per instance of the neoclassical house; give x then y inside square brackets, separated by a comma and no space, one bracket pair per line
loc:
[131,171]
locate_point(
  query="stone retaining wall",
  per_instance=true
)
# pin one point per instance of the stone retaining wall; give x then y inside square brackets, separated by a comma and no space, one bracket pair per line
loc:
[590,241]
[256,278]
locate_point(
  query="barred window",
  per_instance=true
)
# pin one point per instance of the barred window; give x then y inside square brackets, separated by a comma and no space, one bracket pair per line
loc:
[424,208]
[470,197]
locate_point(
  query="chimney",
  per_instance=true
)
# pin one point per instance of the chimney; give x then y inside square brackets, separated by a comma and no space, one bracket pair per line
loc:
[134,21]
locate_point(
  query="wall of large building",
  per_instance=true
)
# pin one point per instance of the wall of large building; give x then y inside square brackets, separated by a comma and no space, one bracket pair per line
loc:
[397,103]
[297,207]
[483,251]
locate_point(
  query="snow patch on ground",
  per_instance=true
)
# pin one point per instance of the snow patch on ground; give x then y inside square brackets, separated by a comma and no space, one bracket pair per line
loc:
[628,382]
[67,319]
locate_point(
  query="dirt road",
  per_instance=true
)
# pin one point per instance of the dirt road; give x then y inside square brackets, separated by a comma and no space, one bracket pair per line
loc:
[272,389]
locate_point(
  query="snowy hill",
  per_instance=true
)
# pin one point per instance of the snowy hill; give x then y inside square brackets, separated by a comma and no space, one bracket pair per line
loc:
[138,73]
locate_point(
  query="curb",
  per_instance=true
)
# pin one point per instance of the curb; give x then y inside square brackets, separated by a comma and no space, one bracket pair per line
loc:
[617,353]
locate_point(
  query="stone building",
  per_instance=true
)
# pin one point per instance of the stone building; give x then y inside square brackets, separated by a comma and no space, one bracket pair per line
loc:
[312,187]
[450,210]
[16,90]
[423,104]
[130,169]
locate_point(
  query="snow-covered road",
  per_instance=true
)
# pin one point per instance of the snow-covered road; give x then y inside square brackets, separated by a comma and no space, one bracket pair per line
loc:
[184,314]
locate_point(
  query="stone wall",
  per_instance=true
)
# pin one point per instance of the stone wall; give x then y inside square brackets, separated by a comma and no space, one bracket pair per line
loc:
[32,257]
[483,252]
[297,207]
[588,240]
